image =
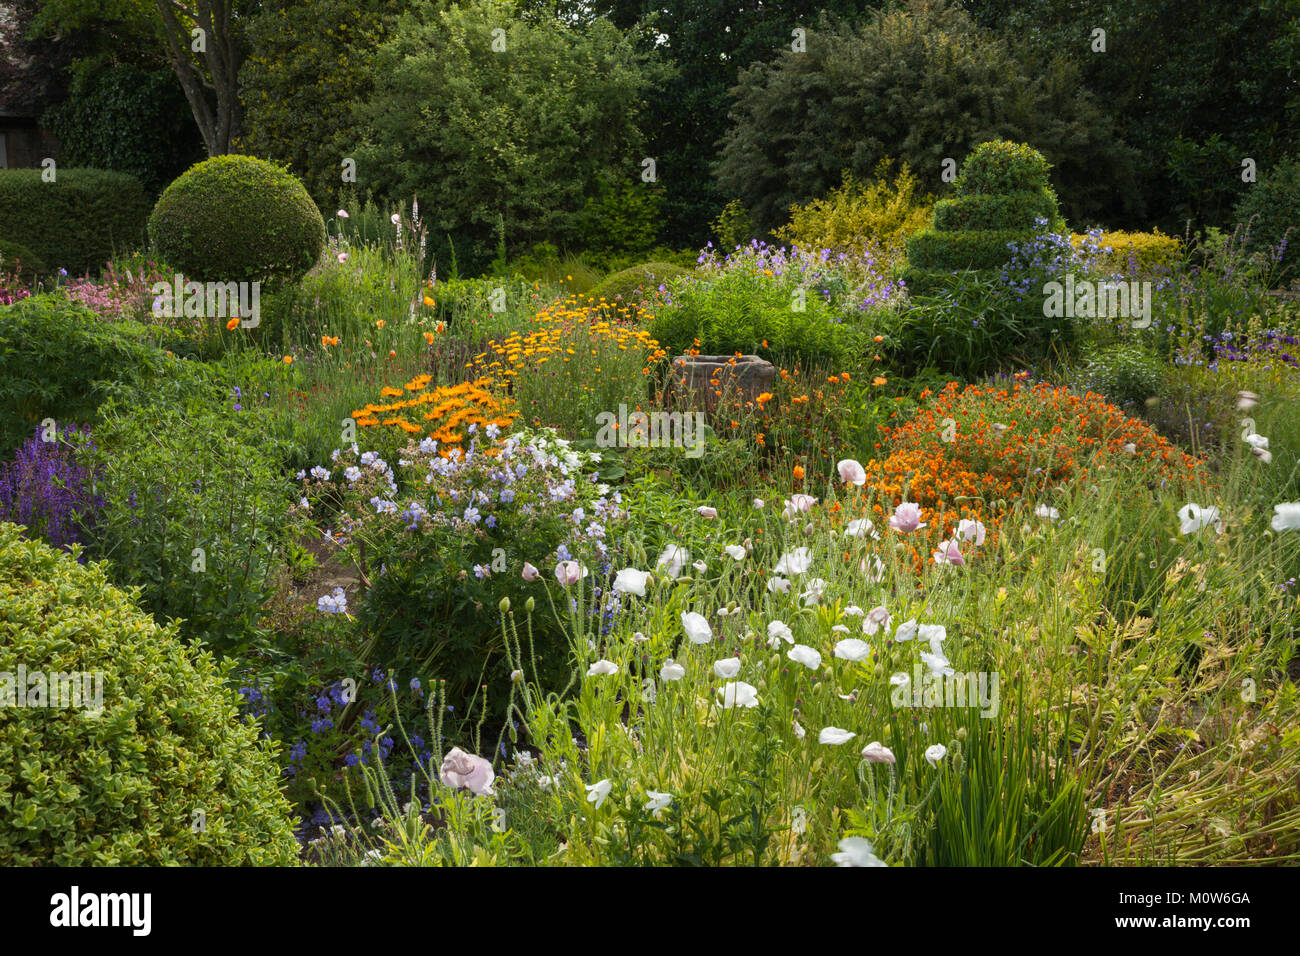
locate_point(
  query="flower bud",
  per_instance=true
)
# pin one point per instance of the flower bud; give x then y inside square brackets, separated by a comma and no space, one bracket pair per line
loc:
[504,605]
[529,605]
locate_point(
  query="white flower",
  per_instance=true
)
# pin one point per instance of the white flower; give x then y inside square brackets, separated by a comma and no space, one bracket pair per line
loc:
[949,553]
[855,851]
[1246,401]
[877,618]
[1287,517]
[906,631]
[834,736]
[700,566]
[1263,454]
[798,729]
[735,551]
[938,665]
[935,635]
[727,668]
[851,472]
[907,517]
[794,562]
[852,649]
[530,573]
[815,591]
[1051,514]
[971,530]
[672,671]
[395,218]
[805,655]
[1193,517]
[861,526]
[672,560]
[900,680]
[631,581]
[876,752]
[697,627]
[739,694]
[597,792]
[759,503]
[704,511]
[639,638]
[853,611]
[839,629]
[935,753]
[602,668]
[657,803]
[1255,441]
[1131,448]
[876,573]
[778,631]
[778,585]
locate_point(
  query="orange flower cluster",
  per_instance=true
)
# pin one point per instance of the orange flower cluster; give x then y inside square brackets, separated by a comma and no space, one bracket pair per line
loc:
[973,447]
[442,414]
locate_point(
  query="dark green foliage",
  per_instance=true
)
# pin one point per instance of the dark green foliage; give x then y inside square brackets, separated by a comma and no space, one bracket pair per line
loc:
[1000,183]
[129,120]
[58,360]
[949,251]
[638,283]
[17,256]
[1127,375]
[76,222]
[920,84]
[236,219]
[303,54]
[126,787]
[1271,211]
[1015,211]
[524,136]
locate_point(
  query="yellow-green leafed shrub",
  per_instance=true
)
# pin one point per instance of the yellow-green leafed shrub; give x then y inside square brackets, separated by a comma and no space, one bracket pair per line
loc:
[858,217]
[637,284]
[164,773]
[1137,253]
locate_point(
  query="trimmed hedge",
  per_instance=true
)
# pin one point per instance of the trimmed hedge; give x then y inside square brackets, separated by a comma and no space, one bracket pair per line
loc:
[76,222]
[1271,211]
[237,219]
[165,774]
[1001,190]
[636,283]
[947,251]
[1016,210]
[16,254]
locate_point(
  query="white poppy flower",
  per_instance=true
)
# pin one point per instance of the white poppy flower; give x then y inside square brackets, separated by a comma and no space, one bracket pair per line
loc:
[877,618]
[876,752]
[697,627]
[861,526]
[602,668]
[935,753]
[672,559]
[906,631]
[852,472]
[1287,516]
[834,736]
[672,671]
[855,851]
[853,611]
[778,585]
[700,566]
[805,655]
[852,649]
[794,562]
[727,668]
[815,591]
[739,694]
[631,581]
[1193,518]
[735,551]
[778,631]
[704,511]
[938,665]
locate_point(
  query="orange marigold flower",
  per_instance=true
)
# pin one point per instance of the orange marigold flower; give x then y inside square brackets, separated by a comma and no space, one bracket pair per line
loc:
[798,472]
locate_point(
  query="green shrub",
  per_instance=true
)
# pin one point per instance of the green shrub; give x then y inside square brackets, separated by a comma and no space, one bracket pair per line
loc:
[236,219]
[1271,211]
[15,254]
[129,120]
[738,311]
[1016,210]
[58,359]
[1126,374]
[1001,190]
[76,222]
[129,786]
[194,511]
[1003,167]
[636,284]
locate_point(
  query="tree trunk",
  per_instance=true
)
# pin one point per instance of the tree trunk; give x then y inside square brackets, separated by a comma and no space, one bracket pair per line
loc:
[215,69]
